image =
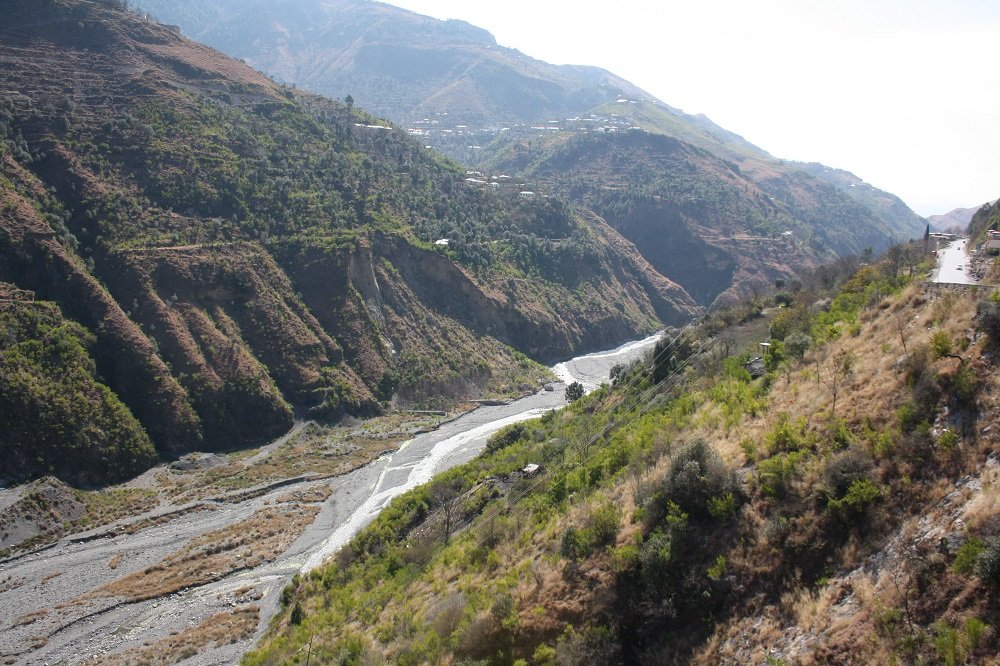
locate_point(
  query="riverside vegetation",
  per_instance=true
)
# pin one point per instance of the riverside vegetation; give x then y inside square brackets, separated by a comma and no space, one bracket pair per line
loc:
[839,508]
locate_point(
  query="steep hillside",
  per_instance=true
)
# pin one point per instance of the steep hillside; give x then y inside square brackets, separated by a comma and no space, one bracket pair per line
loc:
[814,192]
[693,216]
[702,221]
[239,250]
[954,219]
[459,92]
[984,219]
[841,507]
[393,62]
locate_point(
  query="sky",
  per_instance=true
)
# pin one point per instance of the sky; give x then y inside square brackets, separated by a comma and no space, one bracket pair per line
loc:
[903,93]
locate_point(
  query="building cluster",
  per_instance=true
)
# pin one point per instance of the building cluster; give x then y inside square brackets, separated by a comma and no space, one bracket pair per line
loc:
[497,183]
[993,241]
[442,128]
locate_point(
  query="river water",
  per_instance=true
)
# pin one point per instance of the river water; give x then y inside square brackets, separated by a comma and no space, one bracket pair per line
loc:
[458,441]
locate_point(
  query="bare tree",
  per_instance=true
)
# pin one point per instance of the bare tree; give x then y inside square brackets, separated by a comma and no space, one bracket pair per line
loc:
[901,323]
[836,376]
[447,497]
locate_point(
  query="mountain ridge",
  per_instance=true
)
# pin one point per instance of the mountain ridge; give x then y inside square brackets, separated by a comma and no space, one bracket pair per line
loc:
[472,99]
[241,251]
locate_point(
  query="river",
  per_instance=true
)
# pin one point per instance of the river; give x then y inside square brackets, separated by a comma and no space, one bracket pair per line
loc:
[42,619]
[458,441]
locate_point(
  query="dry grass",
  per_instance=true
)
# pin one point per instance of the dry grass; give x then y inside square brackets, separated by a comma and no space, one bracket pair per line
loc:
[986,505]
[319,492]
[220,629]
[115,560]
[161,519]
[321,450]
[31,617]
[212,556]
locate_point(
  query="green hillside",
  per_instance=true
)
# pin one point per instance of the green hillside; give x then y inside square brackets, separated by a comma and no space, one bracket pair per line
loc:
[240,251]
[840,508]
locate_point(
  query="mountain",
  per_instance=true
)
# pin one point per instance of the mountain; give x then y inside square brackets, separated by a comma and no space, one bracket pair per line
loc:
[213,253]
[716,227]
[839,508]
[983,219]
[958,218]
[457,91]
[395,63]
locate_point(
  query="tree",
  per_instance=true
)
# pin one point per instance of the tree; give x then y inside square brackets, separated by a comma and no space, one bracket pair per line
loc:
[796,344]
[941,347]
[349,101]
[447,495]
[574,391]
[840,369]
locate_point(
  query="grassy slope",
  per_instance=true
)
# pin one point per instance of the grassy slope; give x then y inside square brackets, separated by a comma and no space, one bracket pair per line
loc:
[799,534]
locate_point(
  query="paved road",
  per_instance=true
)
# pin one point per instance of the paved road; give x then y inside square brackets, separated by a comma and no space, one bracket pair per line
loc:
[39,583]
[953,264]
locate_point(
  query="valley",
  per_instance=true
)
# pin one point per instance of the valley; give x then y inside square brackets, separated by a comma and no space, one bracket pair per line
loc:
[476,360]
[154,578]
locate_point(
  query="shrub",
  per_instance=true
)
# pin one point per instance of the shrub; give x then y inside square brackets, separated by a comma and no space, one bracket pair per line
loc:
[988,319]
[844,470]
[505,437]
[718,568]
[967,555]
[786,435]
[696,475]
[797,343]
[722,506]
[775,473]
[940,345]
[604,524]
[574,544]
[860,494]
[574,392]
[655,555]
[297,614]
[988,562]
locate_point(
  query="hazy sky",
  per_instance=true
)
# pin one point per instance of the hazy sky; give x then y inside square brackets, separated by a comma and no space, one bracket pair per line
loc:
[904,93]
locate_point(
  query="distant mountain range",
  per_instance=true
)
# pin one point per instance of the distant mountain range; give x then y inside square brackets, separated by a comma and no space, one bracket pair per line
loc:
[393,62]
[455,89]
[958,218]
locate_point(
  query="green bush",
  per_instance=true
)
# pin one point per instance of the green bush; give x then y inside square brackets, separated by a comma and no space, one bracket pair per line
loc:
[967,555]
[859,496]
[574,545]
[844,470]
[786,435]
[988,562]
[696,475]
[604,524]
[776,473]
[574,392]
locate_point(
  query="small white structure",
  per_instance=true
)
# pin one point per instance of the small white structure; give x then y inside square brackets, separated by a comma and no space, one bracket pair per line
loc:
[530,469]
[526,194]
[442,241]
